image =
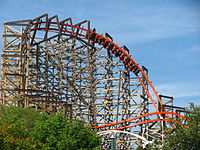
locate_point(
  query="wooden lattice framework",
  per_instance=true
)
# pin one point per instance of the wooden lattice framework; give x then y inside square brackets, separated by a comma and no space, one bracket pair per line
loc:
[60,70]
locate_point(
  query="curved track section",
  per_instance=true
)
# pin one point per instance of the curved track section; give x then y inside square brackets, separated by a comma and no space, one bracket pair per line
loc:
[149,121]
[108,44]
[137,117]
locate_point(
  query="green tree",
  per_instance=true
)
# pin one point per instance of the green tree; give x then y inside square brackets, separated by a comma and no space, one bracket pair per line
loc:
[26,129]
[186,138]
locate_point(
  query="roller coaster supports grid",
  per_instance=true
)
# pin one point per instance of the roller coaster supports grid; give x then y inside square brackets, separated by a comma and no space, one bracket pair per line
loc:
[56,65]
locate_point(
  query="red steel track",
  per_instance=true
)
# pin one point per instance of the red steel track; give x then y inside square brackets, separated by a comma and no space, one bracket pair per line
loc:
[137,117]
[129,62]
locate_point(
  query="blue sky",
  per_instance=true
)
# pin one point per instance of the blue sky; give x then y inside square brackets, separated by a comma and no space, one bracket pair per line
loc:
[162,35]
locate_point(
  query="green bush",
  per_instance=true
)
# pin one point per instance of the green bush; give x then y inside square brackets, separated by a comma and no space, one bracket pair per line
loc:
[59,133]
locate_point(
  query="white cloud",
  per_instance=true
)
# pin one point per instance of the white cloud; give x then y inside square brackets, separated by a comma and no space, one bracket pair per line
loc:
[187,89]
[193,51]
[149,23]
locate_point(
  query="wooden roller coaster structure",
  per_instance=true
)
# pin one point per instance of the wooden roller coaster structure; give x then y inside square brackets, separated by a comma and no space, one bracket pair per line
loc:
[55,65]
